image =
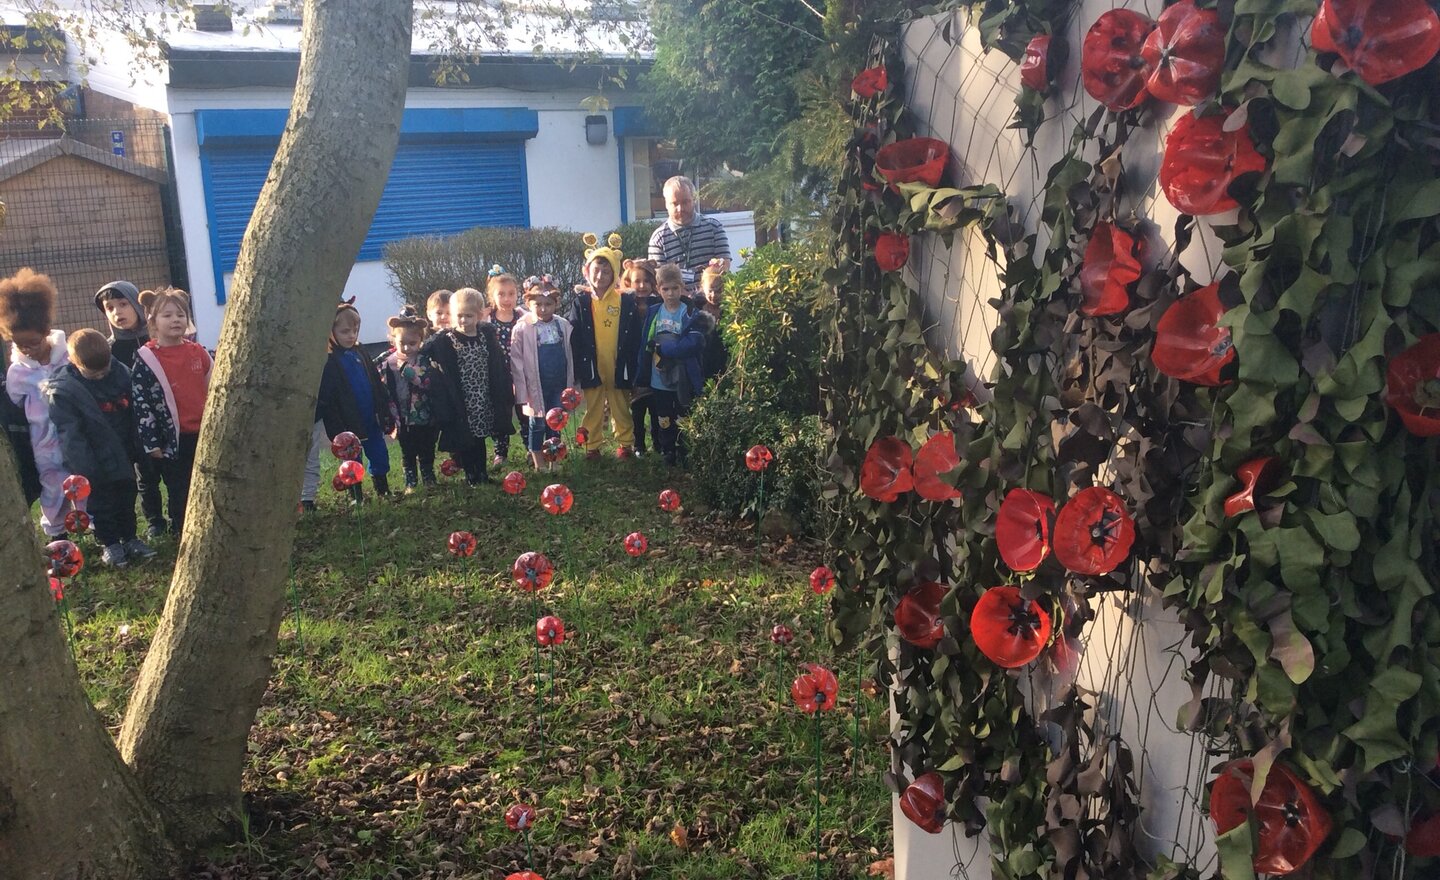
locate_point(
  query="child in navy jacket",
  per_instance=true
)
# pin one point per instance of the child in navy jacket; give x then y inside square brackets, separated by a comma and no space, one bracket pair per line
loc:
[672,344]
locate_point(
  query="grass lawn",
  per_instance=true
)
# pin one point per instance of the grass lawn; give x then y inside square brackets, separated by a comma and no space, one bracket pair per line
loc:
[408,709]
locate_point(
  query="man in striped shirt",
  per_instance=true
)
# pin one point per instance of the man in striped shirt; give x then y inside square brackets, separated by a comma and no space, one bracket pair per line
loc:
[686,238]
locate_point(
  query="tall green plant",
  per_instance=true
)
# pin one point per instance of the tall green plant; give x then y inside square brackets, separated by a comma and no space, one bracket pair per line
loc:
[772,330]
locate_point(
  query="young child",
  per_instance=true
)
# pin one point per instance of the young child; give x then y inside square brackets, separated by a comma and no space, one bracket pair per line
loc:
[505,313]
[638,280]
[171,380]
[120,302]
[408,382]
[17,432]
[669,362]
[472,386]
[37,353]
[604,345]
[437,309]
[712,289]
[540,361]
[91,407]
[352,397]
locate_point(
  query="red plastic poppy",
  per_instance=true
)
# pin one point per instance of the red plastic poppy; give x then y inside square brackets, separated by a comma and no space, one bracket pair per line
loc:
[571,398]
[886,473]
[822,580]
[758,457]
[781,634]
[532,571]
[514,483]
[550,630]
[1380,40]
[1255,476]
[462,544]
[669,500]
[913,160]
[524,875]
[814,690]
[936,457]
[1412,386]
[554,449]
[520,817]
[923,802]
[1022,528]
[1202,160]
[1035,67]
[77,521]
[1190,345]
[345,446]
[449,467]
[75,487]
[66,560]
[1093,532]
[351,473]
[1008,628]
[582,436]
[556,498]
[1186,51]
[870,82]
[556,418]
[1423,838]
[1112,264]
[57,589]
[338,483]
[1112,67]
[636,544]
[892,250]
[917,616]
[1292,823]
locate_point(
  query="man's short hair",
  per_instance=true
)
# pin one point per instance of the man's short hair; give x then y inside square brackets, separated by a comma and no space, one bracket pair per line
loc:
[681,181]
[89,348]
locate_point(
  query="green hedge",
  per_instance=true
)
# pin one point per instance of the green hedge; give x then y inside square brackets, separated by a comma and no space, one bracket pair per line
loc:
[635,237]
[426,263]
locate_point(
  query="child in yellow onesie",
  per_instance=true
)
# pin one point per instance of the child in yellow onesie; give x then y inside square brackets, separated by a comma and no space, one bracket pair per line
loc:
[604,345]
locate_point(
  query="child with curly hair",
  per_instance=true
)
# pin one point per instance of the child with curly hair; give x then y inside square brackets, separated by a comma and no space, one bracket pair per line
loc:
[37,354]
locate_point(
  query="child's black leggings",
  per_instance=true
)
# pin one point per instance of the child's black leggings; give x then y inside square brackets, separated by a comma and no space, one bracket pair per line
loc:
[417,447]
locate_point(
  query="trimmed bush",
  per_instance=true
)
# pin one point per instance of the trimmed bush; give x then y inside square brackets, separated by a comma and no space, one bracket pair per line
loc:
[427,263]
[636,237]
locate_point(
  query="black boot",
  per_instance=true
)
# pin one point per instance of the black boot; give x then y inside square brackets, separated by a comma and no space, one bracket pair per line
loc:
[382,484]
[410,479]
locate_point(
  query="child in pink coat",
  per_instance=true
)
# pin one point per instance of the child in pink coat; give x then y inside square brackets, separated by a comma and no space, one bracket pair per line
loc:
[540,363]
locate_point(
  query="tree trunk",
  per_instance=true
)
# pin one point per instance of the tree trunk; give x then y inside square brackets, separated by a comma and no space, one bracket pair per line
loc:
[69,807]
[188,721]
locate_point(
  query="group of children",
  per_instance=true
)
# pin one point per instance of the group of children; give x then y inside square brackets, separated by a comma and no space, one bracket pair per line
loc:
[123,411]
[635,343]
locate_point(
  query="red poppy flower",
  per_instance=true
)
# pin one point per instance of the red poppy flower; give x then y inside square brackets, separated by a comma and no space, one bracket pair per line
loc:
[351,472]
[1412,386]
[520,817]
[75,487]
[1093,532]
[524,875]
[869,83]
[556,418]
[1189,343]
[582,436]
[1111,66]
[77,521]
[1009,629]
[554,449]
[913,160]
[1202,160]
[1423,838]
[936,457]
[1112,264]
[345,446]
[449,467]
[814,690]
[57,589]
[1035,68]
[892,250]
[556,498]
[669,500]
[66,560]
[1186,51]
[1292,823]
[462,544]
[917,616]
[1255,476]
[758,457]
[635,544]
[1022,529]
[782,634]
[886,474]
[923,802]
[550,630]
[338,483]
[822,580]
[514,483]
[1380,40]
[532,571]
[570,398]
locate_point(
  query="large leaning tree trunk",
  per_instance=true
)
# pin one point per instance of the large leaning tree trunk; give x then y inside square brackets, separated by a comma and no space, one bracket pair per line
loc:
[189,718]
